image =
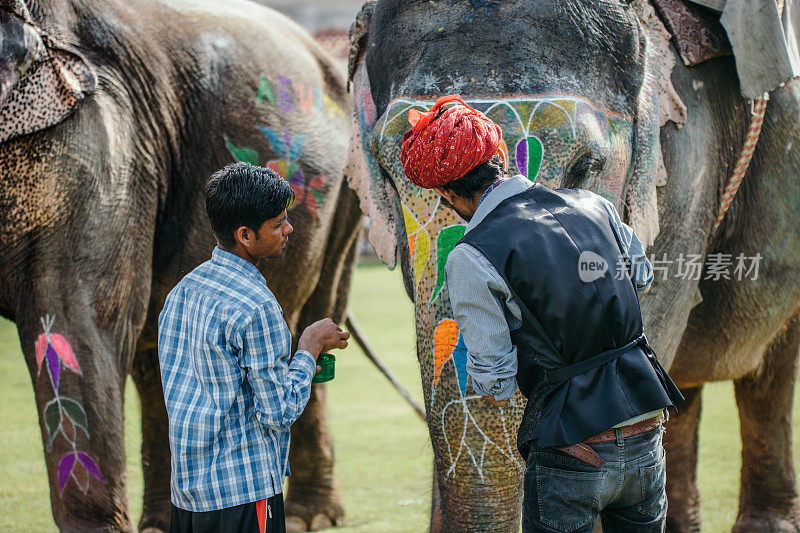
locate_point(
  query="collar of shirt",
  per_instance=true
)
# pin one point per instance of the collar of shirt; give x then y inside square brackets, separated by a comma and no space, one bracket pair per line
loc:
[233,261]
[496,194]
[490,188]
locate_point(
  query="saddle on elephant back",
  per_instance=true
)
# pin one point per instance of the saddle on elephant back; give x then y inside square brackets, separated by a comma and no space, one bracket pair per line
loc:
[760,35]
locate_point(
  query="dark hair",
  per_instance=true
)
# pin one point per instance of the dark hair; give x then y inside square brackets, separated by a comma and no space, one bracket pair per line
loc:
[244,195]
[476,180]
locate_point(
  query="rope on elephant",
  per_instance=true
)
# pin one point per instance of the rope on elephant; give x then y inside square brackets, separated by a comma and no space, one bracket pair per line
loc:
[757,112]
[745,156]
[361,340]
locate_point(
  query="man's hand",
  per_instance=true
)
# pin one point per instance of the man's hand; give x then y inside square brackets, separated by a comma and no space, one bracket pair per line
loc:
[494,403]
[321,336]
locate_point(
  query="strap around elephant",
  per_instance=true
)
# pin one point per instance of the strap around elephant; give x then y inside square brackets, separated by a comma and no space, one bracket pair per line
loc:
[564,373]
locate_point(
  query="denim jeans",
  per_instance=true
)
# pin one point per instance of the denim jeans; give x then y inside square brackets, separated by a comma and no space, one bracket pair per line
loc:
[564,494]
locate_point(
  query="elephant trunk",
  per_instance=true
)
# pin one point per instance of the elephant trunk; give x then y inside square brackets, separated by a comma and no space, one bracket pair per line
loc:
[478,469]
[471,504]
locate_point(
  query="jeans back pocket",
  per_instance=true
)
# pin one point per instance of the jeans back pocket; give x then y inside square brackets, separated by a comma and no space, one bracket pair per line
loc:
[568,500]
[654,495]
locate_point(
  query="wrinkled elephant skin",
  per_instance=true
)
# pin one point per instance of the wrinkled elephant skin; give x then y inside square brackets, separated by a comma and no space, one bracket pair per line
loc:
[111,121]
[588,95]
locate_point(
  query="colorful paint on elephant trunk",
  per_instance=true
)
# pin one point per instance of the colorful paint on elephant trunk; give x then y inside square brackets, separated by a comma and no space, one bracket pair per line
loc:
[64,415]
[448,345]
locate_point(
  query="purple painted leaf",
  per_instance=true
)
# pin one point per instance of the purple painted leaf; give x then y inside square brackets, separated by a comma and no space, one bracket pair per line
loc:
[522,156]
[297,178]
[65,469]
[91,467]
[53,365]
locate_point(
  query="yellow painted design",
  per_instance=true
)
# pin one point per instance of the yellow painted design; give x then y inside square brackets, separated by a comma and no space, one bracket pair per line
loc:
[412,226]
[568,105]
[550,116]
[333,107]
[422,254]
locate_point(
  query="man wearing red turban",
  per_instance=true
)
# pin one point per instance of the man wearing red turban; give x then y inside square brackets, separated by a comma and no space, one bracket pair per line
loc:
[539,308]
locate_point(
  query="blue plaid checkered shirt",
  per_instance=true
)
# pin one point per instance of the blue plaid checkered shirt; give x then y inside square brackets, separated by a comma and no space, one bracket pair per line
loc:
[231,386]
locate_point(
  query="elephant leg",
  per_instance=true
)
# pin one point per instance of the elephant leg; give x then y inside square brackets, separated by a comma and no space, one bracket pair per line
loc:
[312,499]
[79,376]
[680,442]
[768,499]
[155,442]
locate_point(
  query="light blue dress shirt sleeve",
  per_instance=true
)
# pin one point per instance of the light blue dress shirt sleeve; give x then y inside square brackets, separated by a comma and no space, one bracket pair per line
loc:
[480,299]
[632,248]
[281,384]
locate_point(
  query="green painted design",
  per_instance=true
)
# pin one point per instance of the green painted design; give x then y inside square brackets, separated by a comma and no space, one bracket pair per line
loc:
[52,418]
[75,411]
[446,240]
[265,89]
[243,154]
[534,157]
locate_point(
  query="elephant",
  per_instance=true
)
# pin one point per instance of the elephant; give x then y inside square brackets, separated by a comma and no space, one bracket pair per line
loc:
[113,114]
[589,95]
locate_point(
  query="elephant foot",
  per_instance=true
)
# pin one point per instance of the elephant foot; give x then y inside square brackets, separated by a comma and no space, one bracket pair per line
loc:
[688,523]
[312,516]
[155,519]
[767,523]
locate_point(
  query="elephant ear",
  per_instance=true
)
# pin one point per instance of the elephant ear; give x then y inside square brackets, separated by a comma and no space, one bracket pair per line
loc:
[363,172]
[657,103]
[52,86]
[358,36]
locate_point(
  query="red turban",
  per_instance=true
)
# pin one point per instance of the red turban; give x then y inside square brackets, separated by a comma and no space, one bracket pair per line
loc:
[442,146]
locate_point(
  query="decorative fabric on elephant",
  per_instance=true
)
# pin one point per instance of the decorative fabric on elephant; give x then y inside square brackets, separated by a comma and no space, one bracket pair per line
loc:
[698,34]
[46,85]
[64,415]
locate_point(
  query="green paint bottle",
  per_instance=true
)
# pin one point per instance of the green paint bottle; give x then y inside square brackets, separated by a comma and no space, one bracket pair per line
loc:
[326,362]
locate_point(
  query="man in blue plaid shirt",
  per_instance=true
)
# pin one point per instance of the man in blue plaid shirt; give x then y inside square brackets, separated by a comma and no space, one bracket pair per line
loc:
[232,386]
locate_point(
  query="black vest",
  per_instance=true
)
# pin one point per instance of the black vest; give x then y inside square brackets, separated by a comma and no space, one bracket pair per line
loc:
[584,363]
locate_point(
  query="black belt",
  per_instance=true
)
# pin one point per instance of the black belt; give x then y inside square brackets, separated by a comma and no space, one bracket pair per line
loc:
[558,375]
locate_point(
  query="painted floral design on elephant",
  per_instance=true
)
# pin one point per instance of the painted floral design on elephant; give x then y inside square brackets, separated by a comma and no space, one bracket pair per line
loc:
[288,98]
[64,415]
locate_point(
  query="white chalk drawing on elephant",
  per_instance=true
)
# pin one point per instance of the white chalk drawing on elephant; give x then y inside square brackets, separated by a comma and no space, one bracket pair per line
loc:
[448,346]
[288,98]
[64,415]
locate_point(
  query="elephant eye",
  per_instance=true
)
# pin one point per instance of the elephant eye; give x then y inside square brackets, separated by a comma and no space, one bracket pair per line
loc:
[581,168]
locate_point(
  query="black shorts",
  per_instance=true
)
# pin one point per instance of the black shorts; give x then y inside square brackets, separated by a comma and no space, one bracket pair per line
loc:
[263,516]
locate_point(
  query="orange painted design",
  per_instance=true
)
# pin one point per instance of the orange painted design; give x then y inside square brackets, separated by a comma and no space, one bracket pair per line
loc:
[445,338]
[412,242]
[503,151]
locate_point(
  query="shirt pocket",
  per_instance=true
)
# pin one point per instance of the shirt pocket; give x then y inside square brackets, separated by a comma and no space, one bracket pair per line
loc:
[568,500]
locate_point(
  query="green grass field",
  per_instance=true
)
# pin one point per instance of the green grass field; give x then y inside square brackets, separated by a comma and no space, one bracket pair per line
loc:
[384,459]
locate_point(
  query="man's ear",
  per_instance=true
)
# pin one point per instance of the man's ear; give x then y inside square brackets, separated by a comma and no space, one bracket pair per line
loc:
[447,195]
[43,81]
[243,236]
